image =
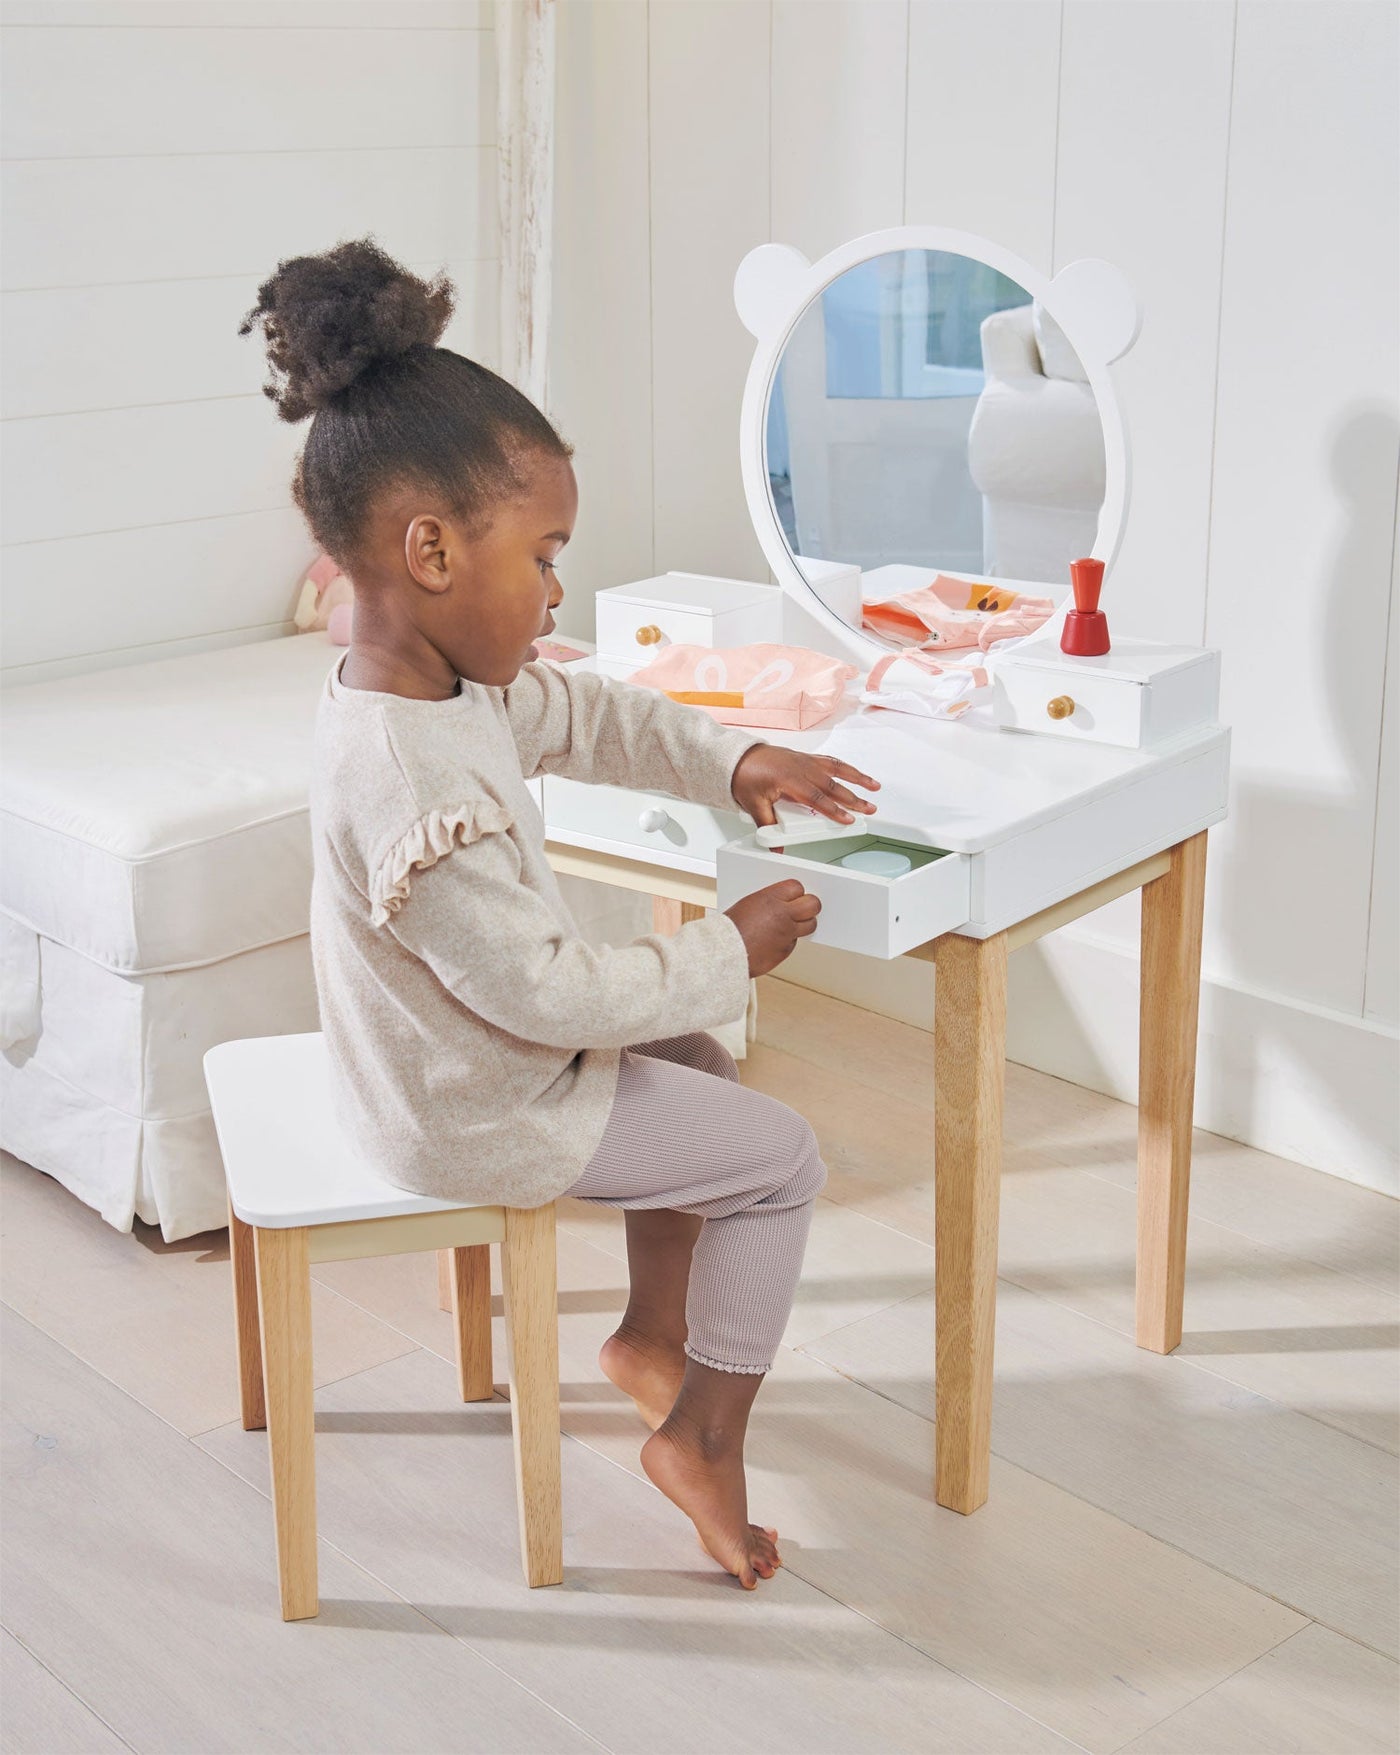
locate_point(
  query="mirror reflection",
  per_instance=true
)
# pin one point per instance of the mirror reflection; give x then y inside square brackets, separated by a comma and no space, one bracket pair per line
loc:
[928,418]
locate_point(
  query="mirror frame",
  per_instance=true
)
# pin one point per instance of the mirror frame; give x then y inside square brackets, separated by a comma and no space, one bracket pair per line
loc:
[774,287]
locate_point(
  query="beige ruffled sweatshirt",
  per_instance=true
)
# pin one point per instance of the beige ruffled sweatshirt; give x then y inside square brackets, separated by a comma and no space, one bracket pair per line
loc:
[474,1036]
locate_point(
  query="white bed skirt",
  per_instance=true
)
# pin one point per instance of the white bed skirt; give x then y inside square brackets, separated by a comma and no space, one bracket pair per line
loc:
[108,1096]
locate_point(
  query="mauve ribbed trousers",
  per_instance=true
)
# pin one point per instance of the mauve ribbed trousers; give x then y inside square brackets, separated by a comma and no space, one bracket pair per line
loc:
[685,1135]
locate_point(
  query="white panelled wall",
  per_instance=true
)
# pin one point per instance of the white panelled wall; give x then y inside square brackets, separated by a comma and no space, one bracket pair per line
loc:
[160,158]
[1239,163]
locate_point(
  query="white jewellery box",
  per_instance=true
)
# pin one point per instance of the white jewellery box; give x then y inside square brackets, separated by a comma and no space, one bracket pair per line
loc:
[1138,694]
[685,609]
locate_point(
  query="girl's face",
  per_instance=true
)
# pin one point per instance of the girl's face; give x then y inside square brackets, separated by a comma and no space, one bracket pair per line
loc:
[492,594]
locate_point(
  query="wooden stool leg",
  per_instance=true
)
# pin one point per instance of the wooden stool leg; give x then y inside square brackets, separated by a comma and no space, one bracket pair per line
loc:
[528,1277]
[444,1260]
[247,1327]
[284,1304]
[1172,908]
[969,1081]
[471,1312]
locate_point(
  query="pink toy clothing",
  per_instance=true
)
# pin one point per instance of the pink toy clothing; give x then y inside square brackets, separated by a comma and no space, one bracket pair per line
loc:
[951,612]
[917,682]
[789,687]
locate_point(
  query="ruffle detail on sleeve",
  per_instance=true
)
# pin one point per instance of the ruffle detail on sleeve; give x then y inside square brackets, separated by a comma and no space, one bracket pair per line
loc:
[426,842]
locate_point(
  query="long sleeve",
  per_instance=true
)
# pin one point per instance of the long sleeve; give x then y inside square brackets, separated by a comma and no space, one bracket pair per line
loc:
[497,946]
[586,727]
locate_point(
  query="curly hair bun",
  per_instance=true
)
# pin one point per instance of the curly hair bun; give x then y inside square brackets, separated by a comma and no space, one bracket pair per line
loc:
[327,319]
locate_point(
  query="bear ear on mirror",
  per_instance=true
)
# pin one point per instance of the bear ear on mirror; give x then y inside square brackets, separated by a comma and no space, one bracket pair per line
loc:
[766,287]
[1097,308]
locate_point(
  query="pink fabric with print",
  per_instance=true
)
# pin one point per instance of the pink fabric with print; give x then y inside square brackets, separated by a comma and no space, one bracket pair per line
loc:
[917,682]
[785,687]
[949,613]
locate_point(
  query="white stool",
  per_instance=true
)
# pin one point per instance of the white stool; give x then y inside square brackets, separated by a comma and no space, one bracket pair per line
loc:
[298,1193]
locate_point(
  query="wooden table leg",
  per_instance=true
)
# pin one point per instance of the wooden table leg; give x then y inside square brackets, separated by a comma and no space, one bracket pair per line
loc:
[1172,909]
[969,1081]
[668,916]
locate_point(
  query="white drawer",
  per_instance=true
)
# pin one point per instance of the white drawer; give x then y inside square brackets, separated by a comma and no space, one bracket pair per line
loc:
[1138,695]
[634,622]
[877,916]
[651,821]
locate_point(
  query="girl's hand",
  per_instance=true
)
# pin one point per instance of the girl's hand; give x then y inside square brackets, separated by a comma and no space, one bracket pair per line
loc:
[768,772]
[771,920]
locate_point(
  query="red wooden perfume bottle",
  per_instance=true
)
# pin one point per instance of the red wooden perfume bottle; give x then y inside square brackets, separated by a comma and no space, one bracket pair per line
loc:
[1085,632]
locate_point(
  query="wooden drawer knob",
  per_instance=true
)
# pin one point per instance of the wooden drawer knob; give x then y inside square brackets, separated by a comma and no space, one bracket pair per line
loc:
[649,635]
[1060,708]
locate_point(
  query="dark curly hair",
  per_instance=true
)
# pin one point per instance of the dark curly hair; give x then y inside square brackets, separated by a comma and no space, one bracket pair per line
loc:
[351,339]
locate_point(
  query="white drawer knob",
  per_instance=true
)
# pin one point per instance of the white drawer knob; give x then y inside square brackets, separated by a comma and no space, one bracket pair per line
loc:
[655,818]
[649,635]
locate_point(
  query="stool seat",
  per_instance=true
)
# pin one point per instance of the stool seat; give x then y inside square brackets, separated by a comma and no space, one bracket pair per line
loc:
[300,1193]
[286,1158]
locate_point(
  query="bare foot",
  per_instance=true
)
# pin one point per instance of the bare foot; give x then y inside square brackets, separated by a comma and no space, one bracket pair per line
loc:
[650,1374]
[710,1490]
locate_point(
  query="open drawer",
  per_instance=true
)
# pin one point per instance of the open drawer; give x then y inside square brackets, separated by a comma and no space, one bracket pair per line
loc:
[861,911]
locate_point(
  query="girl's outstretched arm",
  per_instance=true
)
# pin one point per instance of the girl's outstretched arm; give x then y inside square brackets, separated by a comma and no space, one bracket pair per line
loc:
[586,727]
[501,950]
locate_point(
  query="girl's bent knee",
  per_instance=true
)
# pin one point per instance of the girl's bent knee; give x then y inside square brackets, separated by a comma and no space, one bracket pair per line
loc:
[808,1177]
[814,1170]
[711,1056]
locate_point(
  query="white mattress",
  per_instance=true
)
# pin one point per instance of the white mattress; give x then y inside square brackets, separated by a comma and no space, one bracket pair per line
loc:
[155,817]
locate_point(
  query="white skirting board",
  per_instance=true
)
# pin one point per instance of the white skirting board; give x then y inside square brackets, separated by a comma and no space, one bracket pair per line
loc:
[1306,1084]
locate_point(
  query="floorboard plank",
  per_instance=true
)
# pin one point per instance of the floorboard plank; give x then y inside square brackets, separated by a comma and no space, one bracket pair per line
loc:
[1317,1693]
[1281,1502]
[650,1645]
[141,1573]
[155,1318]
[39,1716]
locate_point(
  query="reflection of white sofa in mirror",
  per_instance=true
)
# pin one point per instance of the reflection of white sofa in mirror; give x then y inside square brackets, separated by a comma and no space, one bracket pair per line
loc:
[1035,449]
[877,479]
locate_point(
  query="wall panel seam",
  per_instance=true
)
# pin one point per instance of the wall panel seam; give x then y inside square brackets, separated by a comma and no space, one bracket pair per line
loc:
[150,524]
[1219,321]
[1380,755]
[63,286]
[1052,266]
[107,158]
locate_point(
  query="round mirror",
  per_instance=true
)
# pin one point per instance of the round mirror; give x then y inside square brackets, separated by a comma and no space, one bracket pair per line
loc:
[931,444]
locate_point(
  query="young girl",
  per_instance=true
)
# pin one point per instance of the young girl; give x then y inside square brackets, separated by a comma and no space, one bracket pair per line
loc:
[482,1050]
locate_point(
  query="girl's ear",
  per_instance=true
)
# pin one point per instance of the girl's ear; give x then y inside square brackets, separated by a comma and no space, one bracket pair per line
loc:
[426,544]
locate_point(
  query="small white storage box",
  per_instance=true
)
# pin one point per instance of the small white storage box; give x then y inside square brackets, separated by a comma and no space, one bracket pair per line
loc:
[1141,693]
[685,609]
[878,916]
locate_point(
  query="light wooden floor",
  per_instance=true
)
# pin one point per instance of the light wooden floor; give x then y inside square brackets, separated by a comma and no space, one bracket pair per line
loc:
[1191,1555]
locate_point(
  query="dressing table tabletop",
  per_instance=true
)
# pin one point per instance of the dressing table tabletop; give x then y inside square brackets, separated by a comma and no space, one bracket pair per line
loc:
[1051,829]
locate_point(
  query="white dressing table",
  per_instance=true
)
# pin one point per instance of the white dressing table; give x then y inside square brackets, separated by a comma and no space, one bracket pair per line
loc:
[1034,831]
